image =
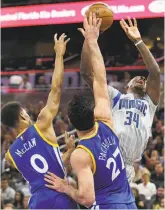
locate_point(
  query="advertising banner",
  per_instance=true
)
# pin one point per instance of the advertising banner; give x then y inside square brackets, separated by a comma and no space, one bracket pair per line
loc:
[47,14]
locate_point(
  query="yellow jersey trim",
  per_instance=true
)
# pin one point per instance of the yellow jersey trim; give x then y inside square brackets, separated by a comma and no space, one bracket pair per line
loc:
[21,133]
[12,160]
[106,122]
[44,138]
[95,130]
[91,155]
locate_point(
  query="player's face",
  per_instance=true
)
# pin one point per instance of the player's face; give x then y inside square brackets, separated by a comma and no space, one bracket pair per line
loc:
[138,83]
[26,117]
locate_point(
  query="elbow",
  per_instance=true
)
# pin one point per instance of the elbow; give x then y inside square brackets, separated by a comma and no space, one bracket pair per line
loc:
[87,200]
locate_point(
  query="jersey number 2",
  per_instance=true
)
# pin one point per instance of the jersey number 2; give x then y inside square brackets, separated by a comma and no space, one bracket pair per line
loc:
[115,171]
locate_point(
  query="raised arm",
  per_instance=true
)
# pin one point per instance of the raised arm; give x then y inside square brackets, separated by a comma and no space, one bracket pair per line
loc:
[153,80]
[100,90]
[86,69]
[82,166]
[48,113]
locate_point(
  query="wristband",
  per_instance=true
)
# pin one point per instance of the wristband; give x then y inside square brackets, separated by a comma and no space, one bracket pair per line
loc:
[137,43]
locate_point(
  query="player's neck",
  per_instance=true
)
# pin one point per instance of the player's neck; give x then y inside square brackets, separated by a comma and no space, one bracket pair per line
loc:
[137,95]
[19,129]
[83,134]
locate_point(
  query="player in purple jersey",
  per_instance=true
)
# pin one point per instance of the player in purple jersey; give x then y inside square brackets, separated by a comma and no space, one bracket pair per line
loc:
[97,162]
[35,149]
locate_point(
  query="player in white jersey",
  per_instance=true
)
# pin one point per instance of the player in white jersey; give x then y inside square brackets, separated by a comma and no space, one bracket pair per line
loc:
[132,112]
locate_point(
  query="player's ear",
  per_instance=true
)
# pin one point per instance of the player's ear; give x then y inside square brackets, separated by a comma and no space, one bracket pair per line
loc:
[126,88]
[21,116]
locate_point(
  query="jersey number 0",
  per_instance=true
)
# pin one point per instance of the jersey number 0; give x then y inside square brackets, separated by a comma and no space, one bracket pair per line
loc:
[37,168]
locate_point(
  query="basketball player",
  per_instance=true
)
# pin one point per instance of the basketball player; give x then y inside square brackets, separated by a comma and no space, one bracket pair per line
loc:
[97,162]
[35,149]
[132,112]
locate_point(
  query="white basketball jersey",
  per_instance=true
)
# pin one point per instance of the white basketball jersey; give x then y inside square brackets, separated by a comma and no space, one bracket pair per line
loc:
[132,118]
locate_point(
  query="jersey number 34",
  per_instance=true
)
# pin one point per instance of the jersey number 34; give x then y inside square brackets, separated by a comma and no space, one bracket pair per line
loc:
[112,160]
[132,117]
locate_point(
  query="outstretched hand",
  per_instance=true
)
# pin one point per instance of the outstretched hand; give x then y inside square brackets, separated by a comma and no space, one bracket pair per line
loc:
[131,29]
[55,182]
[91,27]
[60,44]
[69,141]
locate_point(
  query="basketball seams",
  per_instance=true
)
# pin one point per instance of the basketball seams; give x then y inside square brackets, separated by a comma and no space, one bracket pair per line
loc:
[104,12]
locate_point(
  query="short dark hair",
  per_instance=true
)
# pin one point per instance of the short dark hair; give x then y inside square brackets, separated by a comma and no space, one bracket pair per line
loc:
[81,113]
[10,114]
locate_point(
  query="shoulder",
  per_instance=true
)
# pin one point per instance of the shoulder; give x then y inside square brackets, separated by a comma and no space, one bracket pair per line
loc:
[149,100]
[80,158]
[113,91]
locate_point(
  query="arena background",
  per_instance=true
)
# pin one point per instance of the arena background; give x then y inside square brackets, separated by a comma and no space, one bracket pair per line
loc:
[27,60]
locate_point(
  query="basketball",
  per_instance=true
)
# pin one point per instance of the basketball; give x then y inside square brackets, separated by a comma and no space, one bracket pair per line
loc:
[104,12]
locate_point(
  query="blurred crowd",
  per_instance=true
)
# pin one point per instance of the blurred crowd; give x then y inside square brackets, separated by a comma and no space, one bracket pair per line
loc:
[127,56]
[148,186]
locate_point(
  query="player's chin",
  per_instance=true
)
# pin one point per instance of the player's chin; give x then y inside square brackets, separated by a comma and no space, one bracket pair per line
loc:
[140,88]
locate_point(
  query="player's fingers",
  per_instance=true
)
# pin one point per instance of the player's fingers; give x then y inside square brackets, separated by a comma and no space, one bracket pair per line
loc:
[67,40]
[98,19]
[90,18]
[52,175]
[135,22]
[62,37]
[68,135]
[122,25]
[50,178]
[82,31]
[49,181]
[65,136]
[72,137]
[85,23]
[99,23]
[67,139]
[94,19]
[55,37]
[129,21]
[50,186]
